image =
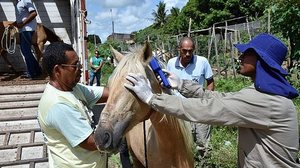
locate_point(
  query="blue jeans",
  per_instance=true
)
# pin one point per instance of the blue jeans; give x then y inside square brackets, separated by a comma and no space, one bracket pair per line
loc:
[94,75]
[33,67]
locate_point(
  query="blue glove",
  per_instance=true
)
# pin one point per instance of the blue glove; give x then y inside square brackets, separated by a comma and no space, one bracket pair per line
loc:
[140,86]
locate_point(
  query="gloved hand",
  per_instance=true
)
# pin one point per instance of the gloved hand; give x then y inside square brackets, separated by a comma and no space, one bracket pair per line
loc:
[140,86]
[174,80]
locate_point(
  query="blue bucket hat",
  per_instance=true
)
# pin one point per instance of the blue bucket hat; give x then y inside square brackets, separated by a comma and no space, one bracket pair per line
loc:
[270,49]
[270,76]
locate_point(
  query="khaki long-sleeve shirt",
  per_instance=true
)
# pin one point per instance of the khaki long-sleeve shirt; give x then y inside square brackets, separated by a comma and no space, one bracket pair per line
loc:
[267,124]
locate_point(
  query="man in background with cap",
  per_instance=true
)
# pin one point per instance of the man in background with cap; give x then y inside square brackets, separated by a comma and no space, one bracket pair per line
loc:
[263,112]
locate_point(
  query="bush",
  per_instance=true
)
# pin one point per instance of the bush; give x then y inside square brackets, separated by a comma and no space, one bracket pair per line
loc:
[106,71]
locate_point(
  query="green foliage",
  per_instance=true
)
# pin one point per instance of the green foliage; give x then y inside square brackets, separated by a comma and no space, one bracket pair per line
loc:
[223,151]
[282,14]
[160,16]
[106,71]
[285,19]
[231,85]
[93,38]
[104,50]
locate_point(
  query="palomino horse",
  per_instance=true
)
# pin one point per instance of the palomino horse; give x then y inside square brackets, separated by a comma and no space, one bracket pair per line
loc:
[168,139]
[40,37]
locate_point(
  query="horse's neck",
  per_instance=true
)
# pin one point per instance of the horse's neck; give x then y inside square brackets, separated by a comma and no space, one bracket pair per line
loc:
[168,137]
[166,127]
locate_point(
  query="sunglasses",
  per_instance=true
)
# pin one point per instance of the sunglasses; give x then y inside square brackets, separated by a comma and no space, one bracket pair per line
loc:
[78,65]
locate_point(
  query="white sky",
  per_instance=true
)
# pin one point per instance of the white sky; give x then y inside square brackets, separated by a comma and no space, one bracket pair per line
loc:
[128,15]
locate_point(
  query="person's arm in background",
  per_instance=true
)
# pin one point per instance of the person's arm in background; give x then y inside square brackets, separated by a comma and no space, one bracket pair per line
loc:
[100,66]
[210,84]
[91,64]
[31,16]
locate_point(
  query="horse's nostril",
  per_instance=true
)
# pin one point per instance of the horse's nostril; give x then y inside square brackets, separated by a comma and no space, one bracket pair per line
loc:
[106,137]
[107,140]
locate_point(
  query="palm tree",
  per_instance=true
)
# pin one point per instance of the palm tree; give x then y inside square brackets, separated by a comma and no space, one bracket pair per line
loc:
[175,11]
[160,16]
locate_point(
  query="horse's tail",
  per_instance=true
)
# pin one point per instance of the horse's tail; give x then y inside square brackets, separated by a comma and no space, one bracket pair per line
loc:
[51,36]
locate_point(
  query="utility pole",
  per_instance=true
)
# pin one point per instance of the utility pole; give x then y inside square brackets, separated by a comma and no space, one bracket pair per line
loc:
[112,25]
[95,42]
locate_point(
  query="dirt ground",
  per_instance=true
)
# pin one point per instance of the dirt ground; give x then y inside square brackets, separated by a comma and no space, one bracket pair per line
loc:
[9,79]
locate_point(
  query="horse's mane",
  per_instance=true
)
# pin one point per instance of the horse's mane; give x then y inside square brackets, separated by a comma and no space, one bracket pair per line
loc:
[51,36]
[132,63]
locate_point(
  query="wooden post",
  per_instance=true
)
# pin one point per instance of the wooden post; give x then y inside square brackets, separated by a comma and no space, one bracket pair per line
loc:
[232,55]
[248,29]
[211,41]
[216,52]
[196,46]
[269,20]
[225,49]
[190,25]
[225,36]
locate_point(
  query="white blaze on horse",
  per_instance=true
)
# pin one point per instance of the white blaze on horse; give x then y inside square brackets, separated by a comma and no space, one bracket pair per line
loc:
[168,139]
[40,37]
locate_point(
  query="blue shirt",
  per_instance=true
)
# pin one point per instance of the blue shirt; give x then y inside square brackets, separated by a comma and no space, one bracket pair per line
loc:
[23,9]
[197,70]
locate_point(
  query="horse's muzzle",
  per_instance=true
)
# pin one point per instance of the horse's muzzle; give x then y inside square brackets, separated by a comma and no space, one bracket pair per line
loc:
[108,135]
[104,139]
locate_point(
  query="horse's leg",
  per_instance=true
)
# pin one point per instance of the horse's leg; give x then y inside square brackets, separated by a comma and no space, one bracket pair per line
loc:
[38,51]
[3,53]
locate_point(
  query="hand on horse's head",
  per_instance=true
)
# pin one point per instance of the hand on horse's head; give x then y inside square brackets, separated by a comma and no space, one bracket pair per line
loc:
[175,81]
[140,86]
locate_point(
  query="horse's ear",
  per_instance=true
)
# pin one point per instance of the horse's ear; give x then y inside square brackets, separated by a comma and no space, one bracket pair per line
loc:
[116,54]
[147,52]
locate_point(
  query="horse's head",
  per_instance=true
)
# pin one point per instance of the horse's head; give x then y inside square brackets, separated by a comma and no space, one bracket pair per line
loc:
[123,110]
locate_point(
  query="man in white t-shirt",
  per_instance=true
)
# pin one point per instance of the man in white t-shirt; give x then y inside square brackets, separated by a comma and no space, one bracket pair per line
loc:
[64,111]
[195,68]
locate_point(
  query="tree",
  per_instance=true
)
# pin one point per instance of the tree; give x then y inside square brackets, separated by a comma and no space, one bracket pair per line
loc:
[172,26]
[160,16]
[285,19]
[207,12]
[95,39]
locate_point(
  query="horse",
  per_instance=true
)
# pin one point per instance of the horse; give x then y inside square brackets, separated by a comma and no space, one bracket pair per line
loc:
[168,139]
[40,37]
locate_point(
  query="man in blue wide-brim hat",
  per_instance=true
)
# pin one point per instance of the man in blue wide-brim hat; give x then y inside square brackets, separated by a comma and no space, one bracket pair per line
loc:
[270,76]
[263,112]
